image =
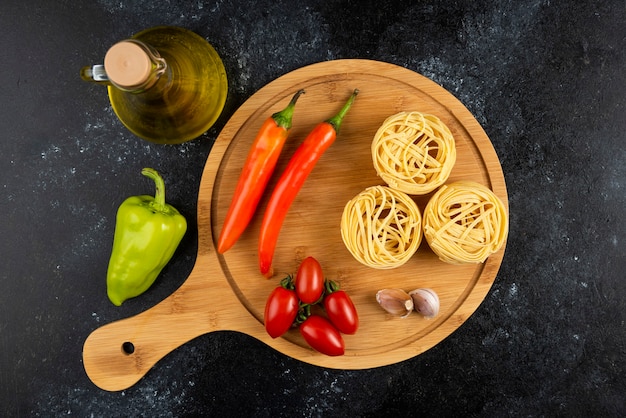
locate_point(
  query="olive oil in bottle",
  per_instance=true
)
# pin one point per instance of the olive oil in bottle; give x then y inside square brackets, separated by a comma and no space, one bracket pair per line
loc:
[166,84]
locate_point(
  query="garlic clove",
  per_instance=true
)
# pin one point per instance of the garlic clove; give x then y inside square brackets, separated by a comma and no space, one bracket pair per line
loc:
[395,301]
[426,302]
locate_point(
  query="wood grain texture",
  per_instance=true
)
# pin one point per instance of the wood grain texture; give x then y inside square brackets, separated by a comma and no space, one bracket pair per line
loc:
[227,292]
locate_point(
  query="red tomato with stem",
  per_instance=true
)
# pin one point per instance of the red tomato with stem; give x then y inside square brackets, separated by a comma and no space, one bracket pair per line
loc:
[341,311]
[322,336]
[281,309]
[310,281]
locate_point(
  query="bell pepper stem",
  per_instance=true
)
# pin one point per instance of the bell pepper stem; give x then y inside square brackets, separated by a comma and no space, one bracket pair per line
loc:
[159,196]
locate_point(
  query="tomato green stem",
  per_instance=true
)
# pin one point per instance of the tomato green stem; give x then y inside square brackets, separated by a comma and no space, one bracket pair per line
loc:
[288,283]
[331,286]
[303,313]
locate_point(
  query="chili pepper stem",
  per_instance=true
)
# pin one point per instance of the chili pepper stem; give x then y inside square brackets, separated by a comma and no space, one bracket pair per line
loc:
[284,117]
[159,197]
[335,121]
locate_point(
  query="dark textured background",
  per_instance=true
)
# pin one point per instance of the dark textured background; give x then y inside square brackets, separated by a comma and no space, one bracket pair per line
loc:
[547,81]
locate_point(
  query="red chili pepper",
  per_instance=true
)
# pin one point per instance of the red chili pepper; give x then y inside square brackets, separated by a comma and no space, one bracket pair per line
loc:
[291,181]
[255,174]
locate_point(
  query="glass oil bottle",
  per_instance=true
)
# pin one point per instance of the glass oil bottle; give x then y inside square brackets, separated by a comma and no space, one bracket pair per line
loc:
[166,84]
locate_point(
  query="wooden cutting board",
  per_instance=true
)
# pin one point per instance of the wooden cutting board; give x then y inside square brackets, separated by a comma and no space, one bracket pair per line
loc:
[227,292]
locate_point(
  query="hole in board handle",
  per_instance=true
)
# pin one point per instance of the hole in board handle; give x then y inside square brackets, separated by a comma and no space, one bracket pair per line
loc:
[128,347]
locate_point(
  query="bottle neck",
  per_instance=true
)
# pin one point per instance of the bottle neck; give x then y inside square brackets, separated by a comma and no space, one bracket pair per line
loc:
[133,66]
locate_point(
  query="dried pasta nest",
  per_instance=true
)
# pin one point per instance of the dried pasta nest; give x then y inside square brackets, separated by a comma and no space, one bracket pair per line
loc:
[381,227]
[465,222]
[413,152]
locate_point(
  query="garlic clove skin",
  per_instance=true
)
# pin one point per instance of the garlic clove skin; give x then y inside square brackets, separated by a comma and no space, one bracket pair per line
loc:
[426,302]
[395,301]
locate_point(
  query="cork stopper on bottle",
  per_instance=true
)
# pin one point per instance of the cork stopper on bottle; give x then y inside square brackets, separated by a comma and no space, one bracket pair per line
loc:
[127,65]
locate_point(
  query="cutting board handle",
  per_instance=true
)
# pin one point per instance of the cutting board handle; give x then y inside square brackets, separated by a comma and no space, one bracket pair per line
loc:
[117,355]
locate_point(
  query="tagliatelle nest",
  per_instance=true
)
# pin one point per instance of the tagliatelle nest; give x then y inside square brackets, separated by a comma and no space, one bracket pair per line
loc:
[465,222]
[413,152]
[381,227]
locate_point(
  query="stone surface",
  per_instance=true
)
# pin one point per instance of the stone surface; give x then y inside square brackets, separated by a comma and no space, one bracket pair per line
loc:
[545,79]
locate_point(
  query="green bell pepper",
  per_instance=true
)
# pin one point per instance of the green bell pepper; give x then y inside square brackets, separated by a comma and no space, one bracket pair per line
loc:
[147,233]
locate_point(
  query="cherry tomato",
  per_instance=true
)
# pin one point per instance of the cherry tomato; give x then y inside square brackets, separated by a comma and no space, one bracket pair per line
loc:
[309,281]
[322,336]
[280,311]
[341,311]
